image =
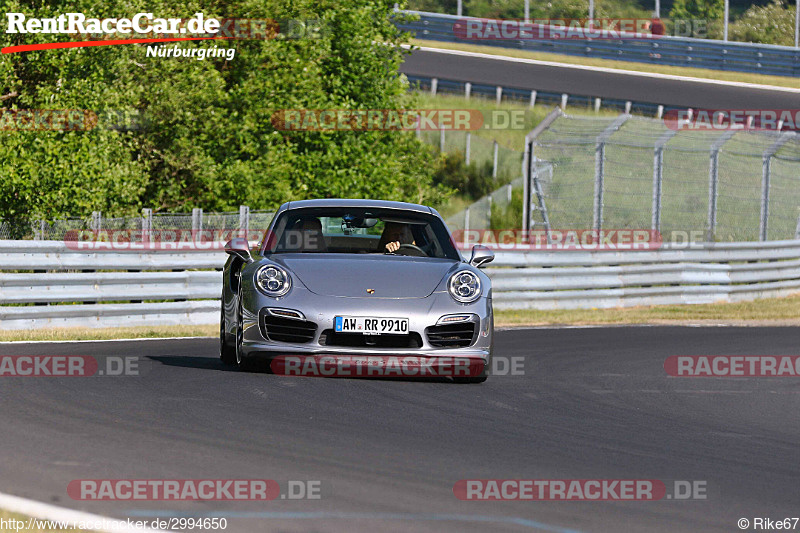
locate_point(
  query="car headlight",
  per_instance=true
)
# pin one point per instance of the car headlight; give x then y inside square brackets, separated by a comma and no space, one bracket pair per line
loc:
[464,286]
[273,281]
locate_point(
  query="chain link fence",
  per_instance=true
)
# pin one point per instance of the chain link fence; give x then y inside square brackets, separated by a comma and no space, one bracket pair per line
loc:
[197,220]
[634,172]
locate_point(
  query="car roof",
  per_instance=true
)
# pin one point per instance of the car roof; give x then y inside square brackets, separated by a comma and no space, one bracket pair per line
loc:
[361,203]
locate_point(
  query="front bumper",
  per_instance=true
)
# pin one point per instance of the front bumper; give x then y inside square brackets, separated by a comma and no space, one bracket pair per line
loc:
[421,313]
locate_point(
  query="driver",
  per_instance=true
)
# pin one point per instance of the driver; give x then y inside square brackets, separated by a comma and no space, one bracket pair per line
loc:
[394,234]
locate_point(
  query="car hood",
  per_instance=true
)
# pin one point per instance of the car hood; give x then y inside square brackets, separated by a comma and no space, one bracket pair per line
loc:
[350,275]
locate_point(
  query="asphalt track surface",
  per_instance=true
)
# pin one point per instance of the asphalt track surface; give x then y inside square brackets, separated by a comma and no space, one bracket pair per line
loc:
[593,403]
[654,90]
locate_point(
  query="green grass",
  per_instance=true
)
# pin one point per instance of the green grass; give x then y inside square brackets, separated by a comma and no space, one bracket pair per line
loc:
[764,312]
[77,334]
[724,75]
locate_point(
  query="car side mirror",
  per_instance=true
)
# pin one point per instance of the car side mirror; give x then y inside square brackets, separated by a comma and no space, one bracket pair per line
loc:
[481,255]
[239,247]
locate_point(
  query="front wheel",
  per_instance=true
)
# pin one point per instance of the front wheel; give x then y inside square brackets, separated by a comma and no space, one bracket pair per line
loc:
[242,361]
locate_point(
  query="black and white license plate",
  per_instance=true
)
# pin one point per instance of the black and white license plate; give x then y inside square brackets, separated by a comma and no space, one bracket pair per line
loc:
[369,325]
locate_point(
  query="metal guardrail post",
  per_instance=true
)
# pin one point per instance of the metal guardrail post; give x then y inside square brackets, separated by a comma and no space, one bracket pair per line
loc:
[597,102]
[564,99]
[467,90]
[434,86]
[713,183]
[533,99]
[766,170]
[499,94]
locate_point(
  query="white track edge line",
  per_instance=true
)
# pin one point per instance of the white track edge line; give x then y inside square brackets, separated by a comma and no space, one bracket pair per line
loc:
[45,511]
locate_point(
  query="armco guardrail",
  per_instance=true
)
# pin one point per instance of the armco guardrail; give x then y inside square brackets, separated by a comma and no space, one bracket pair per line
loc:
[135,288]
[684,274]
[664,50]
[60,286]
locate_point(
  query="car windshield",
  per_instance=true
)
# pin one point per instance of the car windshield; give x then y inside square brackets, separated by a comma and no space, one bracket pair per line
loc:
[360,231]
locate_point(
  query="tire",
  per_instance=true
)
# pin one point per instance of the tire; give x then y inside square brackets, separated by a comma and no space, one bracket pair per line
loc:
[244,363]
[227,353]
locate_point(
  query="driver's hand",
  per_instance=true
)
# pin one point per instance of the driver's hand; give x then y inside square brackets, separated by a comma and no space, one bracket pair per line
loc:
[392,247]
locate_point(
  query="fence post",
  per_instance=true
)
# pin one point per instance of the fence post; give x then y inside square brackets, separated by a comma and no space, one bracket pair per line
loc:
[244,220]
[713,183]
[499,93]
[434,86]
[599,167]
[494,160]
[467,90]
[797,231]
[197,220]
[441,139]
[147,224]
[97,221]
[658,178]
[599,171]
[467,147]
[766,167]
[466,225]
[766,171]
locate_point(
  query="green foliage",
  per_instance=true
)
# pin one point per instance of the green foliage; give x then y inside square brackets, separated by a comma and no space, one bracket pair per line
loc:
[770,24]
[510,215]
[208,139]
[698,9]
[472,181]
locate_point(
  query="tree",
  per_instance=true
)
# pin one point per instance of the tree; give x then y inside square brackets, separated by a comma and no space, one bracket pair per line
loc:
[770,24]
[204,135]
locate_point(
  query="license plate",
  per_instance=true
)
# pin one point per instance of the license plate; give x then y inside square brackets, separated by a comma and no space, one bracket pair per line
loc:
[369,325]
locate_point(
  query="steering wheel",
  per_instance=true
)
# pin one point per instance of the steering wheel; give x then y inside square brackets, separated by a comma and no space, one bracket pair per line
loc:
[413,248]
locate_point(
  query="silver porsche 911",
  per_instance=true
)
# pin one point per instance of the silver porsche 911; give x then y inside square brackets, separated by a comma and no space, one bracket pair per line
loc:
[355,278]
